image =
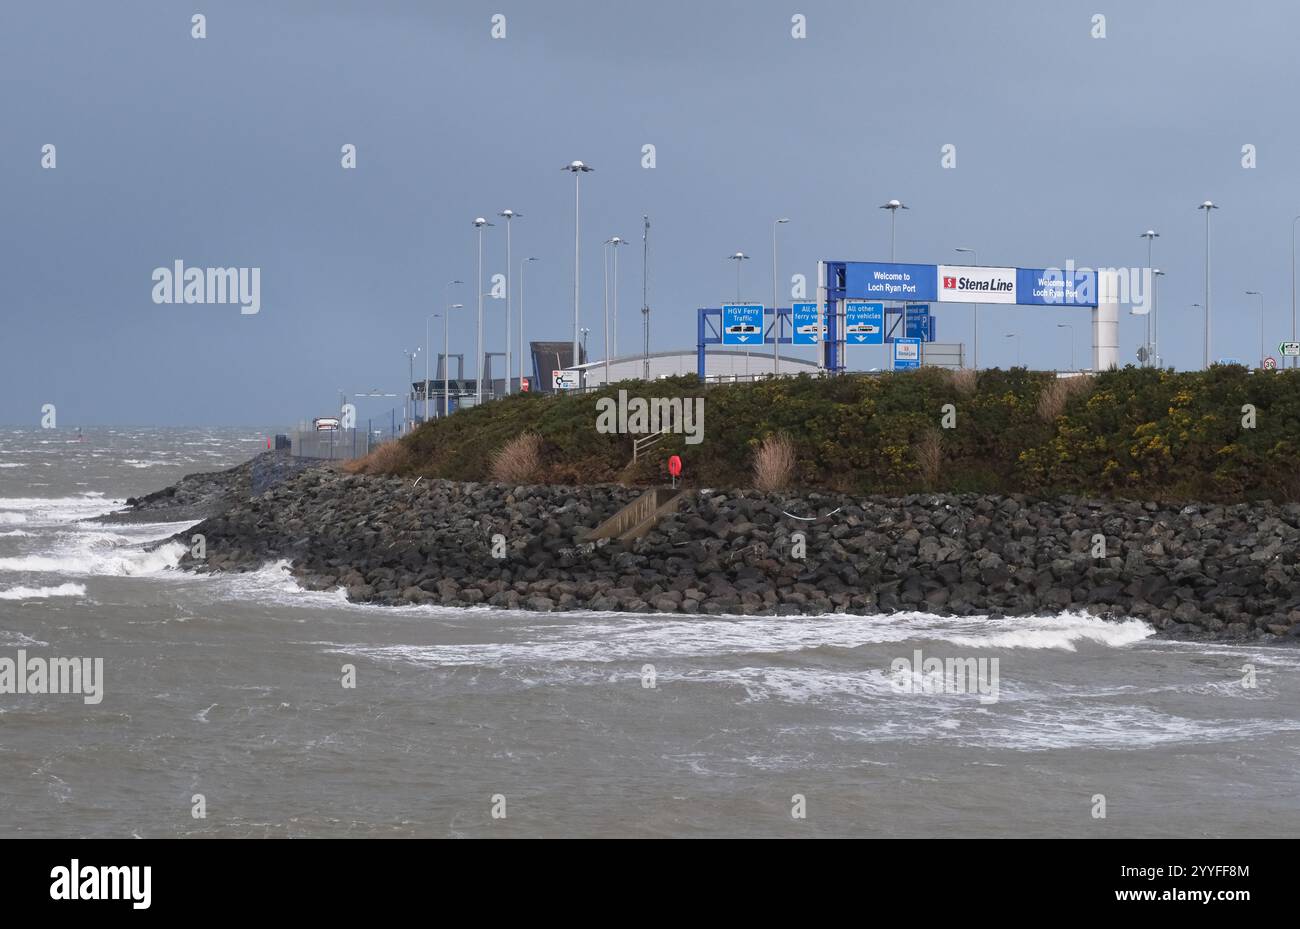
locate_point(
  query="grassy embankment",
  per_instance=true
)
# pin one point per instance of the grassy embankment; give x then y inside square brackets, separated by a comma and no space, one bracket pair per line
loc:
[1139,433]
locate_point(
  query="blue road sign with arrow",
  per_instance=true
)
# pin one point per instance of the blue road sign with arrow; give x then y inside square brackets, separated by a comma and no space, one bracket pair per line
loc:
[742,324]
[804,322]
[864,323]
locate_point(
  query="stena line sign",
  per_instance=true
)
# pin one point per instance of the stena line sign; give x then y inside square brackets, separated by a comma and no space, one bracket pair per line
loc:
[965,284]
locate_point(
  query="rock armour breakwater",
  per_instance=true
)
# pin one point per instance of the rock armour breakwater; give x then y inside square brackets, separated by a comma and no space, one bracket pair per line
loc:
[1193,570]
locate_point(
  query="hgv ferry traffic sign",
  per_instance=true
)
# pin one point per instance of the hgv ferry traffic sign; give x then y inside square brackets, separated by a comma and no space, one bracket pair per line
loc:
[742,324]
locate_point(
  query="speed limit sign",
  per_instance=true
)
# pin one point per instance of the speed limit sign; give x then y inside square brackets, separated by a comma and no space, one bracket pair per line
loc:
[1270,364]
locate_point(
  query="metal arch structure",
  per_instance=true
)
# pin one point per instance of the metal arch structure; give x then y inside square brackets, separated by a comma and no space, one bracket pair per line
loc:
[709,331]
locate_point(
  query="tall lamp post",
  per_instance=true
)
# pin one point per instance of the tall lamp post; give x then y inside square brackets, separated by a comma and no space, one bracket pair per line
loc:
[776,302]
[523,266]
[740,258]
[510,216]
[614,243]
[1156,275]
[1208,206]
[1256,293]
[975,258]
[446,359]
[610,347]
[410,391]
[1150,235]
[1071,328]
[446,291]
[578,169]
[478,359]
[1294,360]
[893,206]
[1197,306]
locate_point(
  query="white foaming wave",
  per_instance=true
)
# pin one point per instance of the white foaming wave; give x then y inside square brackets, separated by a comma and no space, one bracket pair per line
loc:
[90,559]
[42,593]
[1063,632]
[12,464]
[14,534]
[595,638]
[54,510]
[12,519]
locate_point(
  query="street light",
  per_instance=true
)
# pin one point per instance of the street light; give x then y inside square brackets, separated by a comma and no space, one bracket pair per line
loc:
[893,206]
[740,258]
[1256,293]
[1208,206]
[1156,274]
[478,360]
[578,169]
[610,347]
[510,215]
[776,302]
[1071,328]
[407,394]
[585,332]
[976,258]
[1150,235]
[1016,336]
[1294,360]
[445,293]
[446,359]
[1196,306]
[523,265]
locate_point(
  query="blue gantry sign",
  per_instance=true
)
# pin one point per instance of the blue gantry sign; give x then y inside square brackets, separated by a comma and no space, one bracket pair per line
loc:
[742,324]
[864,323]
[876,280]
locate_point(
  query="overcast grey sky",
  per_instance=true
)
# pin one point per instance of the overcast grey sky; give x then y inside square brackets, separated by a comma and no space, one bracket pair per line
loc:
[225,151]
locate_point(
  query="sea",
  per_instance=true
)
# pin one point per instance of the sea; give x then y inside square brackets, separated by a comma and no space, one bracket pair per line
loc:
[243,706]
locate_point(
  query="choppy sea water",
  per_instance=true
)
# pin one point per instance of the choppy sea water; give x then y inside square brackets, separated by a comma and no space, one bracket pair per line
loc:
[231,687]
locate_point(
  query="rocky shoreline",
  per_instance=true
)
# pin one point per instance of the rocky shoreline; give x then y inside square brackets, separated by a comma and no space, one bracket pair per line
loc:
[200,496]
[1191,571]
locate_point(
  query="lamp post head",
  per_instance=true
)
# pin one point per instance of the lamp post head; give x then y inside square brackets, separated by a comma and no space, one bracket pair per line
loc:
[577,167]
[480,222]
[456,306]
[783,219]
[1207,205]
[739,256]
[616,241]
[1149,234]
[509,214]
[1157,272]
[894,205]
[1254,293]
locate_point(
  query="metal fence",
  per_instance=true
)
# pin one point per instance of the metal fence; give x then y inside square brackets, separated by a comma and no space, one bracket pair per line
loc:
[344,444]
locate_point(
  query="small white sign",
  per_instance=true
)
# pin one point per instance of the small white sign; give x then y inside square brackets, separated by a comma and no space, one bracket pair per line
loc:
[564,380]
[1289,348]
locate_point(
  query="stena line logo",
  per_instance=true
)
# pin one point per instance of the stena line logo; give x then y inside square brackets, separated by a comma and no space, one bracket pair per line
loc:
[977,285]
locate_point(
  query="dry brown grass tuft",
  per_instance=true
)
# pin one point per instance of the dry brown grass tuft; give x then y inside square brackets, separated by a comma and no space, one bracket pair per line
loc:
[929,457]
[965,380]
[389,458]
[518,461]
[1052,401]
[774,463]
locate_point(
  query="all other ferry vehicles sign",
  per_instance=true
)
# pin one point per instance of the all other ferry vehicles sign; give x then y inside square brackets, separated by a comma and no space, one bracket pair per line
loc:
[965,284]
